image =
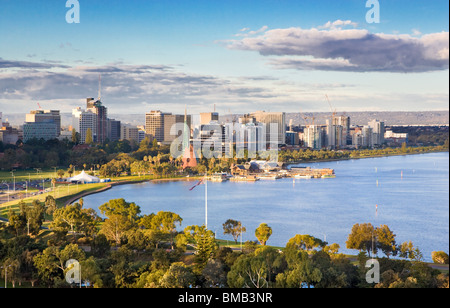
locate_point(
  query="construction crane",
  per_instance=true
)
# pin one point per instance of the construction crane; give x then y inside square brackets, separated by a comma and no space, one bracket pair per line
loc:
[40,108]
[331,107]
[305,118]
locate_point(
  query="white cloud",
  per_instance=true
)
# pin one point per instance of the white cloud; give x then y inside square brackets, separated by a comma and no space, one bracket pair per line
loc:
[355,50]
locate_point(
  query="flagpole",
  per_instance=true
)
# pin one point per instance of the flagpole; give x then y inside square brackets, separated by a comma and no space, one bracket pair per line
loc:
[206,202]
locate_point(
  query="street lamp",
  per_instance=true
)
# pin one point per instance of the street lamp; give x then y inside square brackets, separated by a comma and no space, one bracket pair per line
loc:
[6,275]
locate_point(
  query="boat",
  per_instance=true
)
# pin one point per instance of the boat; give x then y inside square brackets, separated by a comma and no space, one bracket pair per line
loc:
[219,177]
[328,176]
[306,177]
[269,177]
[242,178]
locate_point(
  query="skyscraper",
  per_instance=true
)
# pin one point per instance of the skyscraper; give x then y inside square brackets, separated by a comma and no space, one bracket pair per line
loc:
[271,119]
[154,124]
[102,118]
[82,120]
[39,116]
[159,125]
[379,130]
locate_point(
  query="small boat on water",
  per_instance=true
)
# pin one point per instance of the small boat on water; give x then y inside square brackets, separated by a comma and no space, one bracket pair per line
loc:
[242,178]
[219,177]
[305,177]
[328,176]
[269,177]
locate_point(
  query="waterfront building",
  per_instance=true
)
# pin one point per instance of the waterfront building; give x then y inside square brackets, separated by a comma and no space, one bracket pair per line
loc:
[313,137]
[379,130]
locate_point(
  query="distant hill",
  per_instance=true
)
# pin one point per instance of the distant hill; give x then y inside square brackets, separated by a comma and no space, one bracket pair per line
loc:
[357,118]
[362,118]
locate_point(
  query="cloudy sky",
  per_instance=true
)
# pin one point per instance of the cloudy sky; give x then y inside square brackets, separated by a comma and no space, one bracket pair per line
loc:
[242,56]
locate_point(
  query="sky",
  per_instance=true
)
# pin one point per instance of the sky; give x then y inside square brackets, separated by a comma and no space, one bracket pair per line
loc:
[235,56]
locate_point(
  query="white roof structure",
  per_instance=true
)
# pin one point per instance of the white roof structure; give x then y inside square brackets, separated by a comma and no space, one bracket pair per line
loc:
[84,178]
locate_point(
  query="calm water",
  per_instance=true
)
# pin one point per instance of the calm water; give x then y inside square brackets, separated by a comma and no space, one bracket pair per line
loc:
[415,206]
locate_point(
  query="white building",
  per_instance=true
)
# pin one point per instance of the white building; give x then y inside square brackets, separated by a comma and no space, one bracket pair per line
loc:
[82,120]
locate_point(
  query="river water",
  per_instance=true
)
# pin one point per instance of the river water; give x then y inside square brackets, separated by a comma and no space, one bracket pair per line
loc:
[411,192]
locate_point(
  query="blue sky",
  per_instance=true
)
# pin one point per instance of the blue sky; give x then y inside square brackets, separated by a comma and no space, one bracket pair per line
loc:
[240,55]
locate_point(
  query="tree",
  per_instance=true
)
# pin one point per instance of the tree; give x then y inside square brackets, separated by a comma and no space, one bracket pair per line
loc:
[75,137]
[439,257]
[305,242]
[115,227]
[205,244]
[234,228]
[89,138]
[362,238]
[121,207]
[50,204]
[178,276]
[60,173]
[386,240]
[263,233]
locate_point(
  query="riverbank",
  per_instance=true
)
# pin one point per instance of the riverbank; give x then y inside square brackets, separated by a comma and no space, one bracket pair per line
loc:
[359,157]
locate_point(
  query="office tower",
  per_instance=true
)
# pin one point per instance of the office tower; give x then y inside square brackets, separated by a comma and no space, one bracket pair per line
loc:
[39,130]
[82,120]
[278,119]
[113,130]
[343,121]
[312,137]
[101,111]
[159,125]
[379,130]
[129,132]
[40,116]
[208,117]
[169,121]
[154,124]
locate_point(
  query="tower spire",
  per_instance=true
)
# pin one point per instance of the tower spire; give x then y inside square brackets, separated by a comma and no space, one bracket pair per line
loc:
[99,87]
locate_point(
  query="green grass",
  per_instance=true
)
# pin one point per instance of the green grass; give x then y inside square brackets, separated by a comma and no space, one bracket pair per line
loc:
[25,175]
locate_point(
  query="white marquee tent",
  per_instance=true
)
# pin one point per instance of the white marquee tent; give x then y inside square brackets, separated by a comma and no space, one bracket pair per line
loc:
[84,178]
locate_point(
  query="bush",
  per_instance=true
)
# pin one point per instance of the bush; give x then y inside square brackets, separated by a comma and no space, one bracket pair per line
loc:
[439,257]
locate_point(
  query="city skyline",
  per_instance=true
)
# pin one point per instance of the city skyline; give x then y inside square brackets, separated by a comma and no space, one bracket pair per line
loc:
[239,56]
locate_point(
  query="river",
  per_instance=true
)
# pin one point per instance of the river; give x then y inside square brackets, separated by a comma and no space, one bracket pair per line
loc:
[411,192]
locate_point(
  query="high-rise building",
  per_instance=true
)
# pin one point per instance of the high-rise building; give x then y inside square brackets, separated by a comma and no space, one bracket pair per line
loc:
[129,132]
[345,122]
[313,137]
[335,137]
[82,120]
[154,124]
[169,121]
[113,130]
[379,130]
[40,116]
[39,130]
[101,111]
[159,125]
[208,117]
[271,119]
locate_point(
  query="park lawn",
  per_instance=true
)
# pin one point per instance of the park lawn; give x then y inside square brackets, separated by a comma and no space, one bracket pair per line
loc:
[22,175]
[62,194]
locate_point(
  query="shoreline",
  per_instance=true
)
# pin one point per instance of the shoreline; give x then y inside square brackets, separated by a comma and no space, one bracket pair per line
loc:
[194,178]
[357,158]
[75,198]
